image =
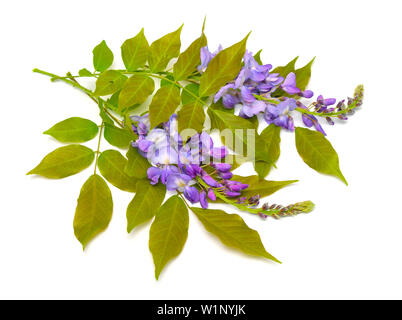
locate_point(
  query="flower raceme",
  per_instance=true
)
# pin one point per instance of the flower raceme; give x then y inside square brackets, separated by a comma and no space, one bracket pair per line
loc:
[193,168]
[255,89]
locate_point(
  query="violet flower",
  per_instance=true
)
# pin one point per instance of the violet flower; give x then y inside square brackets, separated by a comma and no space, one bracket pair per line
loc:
[289,85]
[206,57]
[279,114]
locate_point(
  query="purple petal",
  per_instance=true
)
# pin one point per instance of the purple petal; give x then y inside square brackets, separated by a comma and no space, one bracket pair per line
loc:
[232,193]
[282,121]
[329,102]
[176,180]
[219,152]
[203,199]
[307,94]
[257,76]
[229,101]
[209,180]
[222,167]
[144,144]
[191,193]
[222,91]
[238,187]
[211,194]
[153,174]
[246,95]
[241,78]
[290,80]
[226,175]
[291,90]
[308,122]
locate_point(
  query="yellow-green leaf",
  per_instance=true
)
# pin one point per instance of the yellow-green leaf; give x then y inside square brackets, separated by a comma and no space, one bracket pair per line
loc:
[164,103]
[135,91]
[267,149]
[109,82]
[73,129]
[111,164]
[303,75]
[190,93]
[257,57]
[137,165]
[134,51]
[318,153]
[102,57]
[94,209]
[118,137]
[64,162]
[191,116]
[85,73]
[163,50]
[145,203]
[233,232]
[224,67]
[168,232]
[188,61]
[224,120]
[262,187]
[285,70]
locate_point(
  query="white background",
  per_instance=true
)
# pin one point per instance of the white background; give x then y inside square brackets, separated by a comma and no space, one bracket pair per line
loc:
[348,247]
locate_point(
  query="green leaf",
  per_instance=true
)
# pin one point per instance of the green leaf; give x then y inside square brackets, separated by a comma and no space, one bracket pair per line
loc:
[102,57]
[163,50]
[117,137]
[318,153]
[190,93]
[94,209]
[257,57]
[168,80]
[191,116]
[109,82]
[168,232]
[64,162]
[135,91]
[262,187]
[104,116]
[233,232]
[85,73]
[267,150]
[111,164]
[73,129]
[303,75]
[223,120]
[134,51]
[189,60]
[137,165]
[145,203]
[164,103]
[285,70]
[224,67]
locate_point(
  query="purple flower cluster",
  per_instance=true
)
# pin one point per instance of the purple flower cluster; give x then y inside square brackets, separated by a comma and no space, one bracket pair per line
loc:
[255,80]
[193,168]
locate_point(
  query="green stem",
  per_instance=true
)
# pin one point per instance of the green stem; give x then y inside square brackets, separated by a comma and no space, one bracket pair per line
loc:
[184,200]
[65,79]
[158,76]
[306,111]
[97,150]
[328,114]
[240,206]
[70,79]
[258,97]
